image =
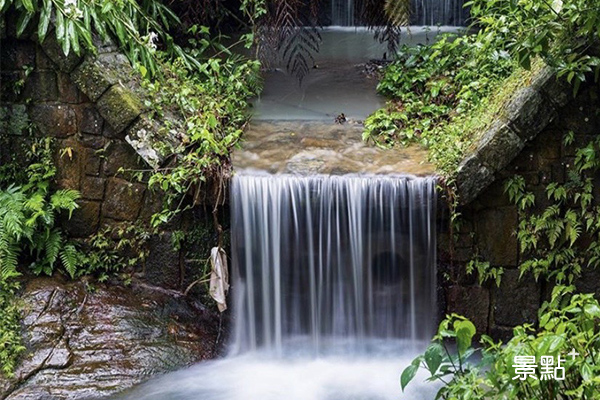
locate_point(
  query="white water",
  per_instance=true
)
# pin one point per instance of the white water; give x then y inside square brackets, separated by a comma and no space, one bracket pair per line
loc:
[424,12]
[332,258]
[334,287]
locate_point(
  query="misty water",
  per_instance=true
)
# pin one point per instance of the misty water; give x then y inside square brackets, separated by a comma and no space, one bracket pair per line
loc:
[333,291]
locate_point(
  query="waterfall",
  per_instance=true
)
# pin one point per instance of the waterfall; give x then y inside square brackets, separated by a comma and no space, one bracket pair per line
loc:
[325,260]
[424,12]
[342,12]
[438,12]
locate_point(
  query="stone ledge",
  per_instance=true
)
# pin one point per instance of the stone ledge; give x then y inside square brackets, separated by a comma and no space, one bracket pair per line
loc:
[529,111]
[119,107]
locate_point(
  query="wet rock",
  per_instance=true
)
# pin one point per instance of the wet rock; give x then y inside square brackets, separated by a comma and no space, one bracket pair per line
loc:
[84,344]
[529,113]
[472,177]
[85,219]
[499,146]
[496,241]
[119,107]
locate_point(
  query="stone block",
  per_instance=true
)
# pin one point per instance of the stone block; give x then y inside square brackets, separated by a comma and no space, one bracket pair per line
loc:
[472,177]
[499,146]
[92,188]
[472,302]
[92,162]
[493,196]
[98,73]
[89,119]
[139,136]
[153,203]
[92,141]
[42,61]
[7,86]
[557,90]
[494,233]
[529,113]
[54,120]
[16,54]
[119,107]
[41,86]
[14,120]
[517,300]
[119,155]
[123,199]
[69,169]
[85,219]
[67,90]
[65,63]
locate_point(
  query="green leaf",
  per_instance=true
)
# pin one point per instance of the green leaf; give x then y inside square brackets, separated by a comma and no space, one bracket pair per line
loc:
[408,374]
[465,330]
[22,22]
[433,357]
[44,22]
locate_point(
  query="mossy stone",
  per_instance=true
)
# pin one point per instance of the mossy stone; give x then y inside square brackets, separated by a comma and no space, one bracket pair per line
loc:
[119,107]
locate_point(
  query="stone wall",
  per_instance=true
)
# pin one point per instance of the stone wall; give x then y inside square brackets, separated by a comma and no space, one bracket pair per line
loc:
[526,140]
[93,108]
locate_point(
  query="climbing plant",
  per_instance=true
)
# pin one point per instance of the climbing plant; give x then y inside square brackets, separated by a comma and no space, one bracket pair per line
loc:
[563,238]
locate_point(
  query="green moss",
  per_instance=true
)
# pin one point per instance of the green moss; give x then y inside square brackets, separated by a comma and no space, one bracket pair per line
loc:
[460,135]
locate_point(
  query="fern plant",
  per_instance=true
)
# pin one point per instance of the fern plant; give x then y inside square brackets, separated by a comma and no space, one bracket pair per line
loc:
[27,226]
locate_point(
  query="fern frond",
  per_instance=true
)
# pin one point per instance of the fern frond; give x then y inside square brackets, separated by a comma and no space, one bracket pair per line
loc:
[70,257]
[53,244]
[65,199]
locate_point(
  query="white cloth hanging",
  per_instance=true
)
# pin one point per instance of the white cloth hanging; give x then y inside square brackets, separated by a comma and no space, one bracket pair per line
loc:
[219,277]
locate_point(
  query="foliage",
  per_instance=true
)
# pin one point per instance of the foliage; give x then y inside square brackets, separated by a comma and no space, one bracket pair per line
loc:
[136,26]
[485,271]
[10,328]
[432,86]
[563,237]
[569,322]
[441,93]
[113,250]
[560,32]
[212,106]
[28,215]
[28,234]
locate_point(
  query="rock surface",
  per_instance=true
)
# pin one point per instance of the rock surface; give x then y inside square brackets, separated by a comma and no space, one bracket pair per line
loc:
[87,344]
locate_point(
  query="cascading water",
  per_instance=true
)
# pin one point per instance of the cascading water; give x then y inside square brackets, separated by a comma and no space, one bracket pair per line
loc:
[438,12]
[424,12]
[342,12]
[334,286]
[324,260]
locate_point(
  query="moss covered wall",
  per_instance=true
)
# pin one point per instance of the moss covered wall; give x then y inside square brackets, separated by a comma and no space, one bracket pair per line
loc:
[490,220]
[92,107]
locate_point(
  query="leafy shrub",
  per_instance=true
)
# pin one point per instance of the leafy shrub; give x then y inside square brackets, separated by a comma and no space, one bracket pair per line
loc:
[569,324]
[431,84]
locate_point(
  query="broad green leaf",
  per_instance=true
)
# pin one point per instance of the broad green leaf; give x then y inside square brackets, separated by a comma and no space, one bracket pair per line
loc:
[407,375]
[433,357]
